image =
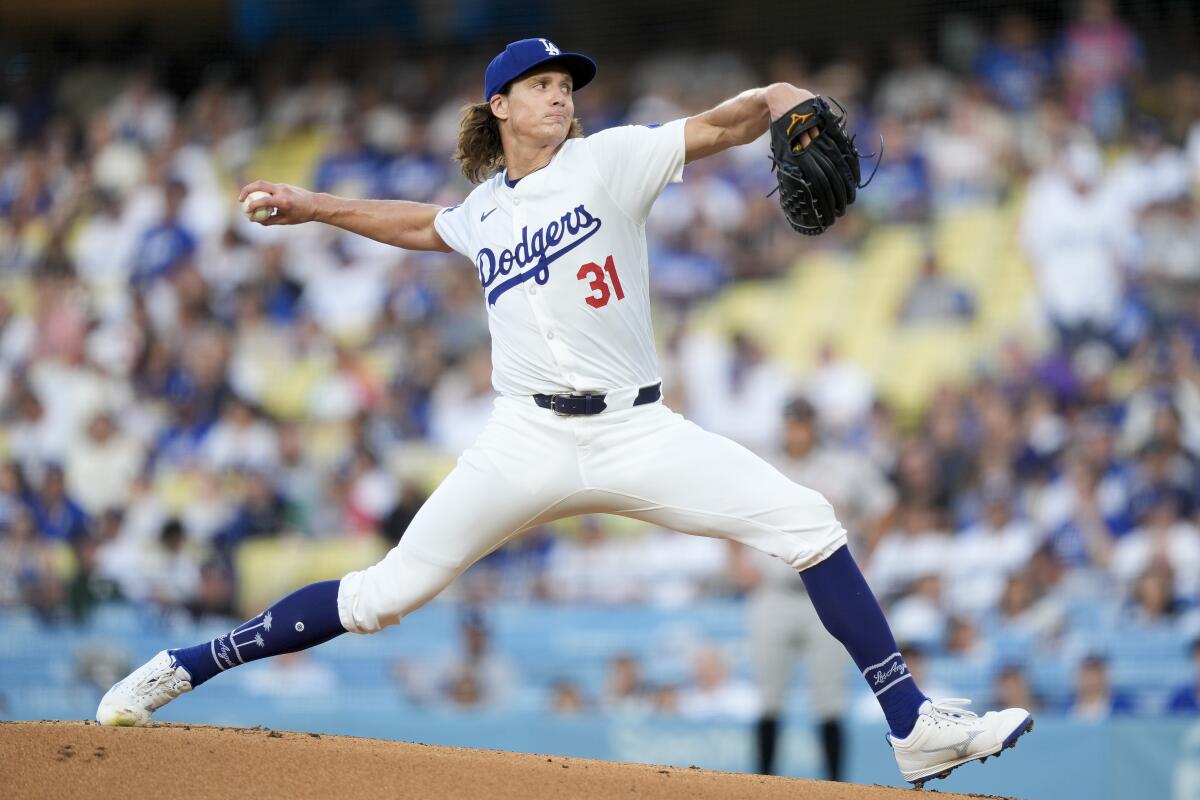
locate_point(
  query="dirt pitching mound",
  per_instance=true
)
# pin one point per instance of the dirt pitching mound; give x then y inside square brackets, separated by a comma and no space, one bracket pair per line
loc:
[79,759]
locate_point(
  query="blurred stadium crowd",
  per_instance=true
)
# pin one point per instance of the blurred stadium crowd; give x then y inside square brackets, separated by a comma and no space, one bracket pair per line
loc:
[176,382]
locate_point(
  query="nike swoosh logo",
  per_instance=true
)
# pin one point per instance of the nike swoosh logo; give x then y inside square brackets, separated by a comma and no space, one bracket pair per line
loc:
[488,214]
[959,749]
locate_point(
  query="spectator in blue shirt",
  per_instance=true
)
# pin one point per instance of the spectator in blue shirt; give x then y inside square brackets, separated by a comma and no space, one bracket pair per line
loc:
[56,515]
[1095,698]
[167,245]
[349,167]
[417,173]
[1160,475]
[901,189]
[1015,66]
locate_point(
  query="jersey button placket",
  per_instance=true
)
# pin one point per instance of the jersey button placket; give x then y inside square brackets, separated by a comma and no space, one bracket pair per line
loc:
[542,312]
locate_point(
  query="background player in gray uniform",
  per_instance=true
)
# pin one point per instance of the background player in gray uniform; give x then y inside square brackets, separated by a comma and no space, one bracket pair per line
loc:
[783,626]
[556,233]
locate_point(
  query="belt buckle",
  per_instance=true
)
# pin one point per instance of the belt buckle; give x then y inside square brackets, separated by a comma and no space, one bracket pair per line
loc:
[554,397]
[554,406]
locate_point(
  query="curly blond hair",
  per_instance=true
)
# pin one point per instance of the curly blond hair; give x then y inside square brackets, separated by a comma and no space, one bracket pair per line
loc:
[480,151]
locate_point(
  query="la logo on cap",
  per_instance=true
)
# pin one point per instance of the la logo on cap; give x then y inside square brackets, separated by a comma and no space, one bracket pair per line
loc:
[551,48]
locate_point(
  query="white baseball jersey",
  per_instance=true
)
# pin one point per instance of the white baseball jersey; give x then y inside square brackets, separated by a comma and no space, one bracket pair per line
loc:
[562,260]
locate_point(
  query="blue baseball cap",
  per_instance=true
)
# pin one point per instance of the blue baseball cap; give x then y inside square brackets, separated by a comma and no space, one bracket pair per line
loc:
[522,56]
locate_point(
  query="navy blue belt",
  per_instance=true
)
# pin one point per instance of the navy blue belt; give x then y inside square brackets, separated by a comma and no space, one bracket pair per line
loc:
[572,405]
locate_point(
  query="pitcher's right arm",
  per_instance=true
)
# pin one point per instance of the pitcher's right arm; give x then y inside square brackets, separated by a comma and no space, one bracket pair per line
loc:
[396,222]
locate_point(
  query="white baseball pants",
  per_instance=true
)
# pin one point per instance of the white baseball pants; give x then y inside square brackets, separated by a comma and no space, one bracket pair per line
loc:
[531,466]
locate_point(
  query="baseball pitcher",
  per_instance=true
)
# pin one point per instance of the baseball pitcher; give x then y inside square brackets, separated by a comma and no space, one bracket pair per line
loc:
[555,230]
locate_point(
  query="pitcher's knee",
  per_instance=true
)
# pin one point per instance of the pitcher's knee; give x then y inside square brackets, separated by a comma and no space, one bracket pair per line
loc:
[814,531]
[372,599]
[808,500]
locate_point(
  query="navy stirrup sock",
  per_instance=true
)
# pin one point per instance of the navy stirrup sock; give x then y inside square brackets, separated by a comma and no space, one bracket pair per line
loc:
[848,610]
[305,618]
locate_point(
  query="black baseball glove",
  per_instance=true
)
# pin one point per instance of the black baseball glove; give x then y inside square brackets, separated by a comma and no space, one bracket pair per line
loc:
[816,182]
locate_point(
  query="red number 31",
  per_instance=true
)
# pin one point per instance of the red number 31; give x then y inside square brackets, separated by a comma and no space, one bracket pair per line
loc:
[598,284]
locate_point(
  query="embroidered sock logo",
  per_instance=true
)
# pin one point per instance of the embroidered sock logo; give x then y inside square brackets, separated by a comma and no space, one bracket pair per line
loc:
[880,677]
[886,673]
[221,653]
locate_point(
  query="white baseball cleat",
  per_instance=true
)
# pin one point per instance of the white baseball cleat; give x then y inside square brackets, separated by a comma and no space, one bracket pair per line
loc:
[145,690]
[947,736]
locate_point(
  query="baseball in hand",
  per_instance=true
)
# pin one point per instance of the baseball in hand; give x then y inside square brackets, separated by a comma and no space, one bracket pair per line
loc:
[259,214]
